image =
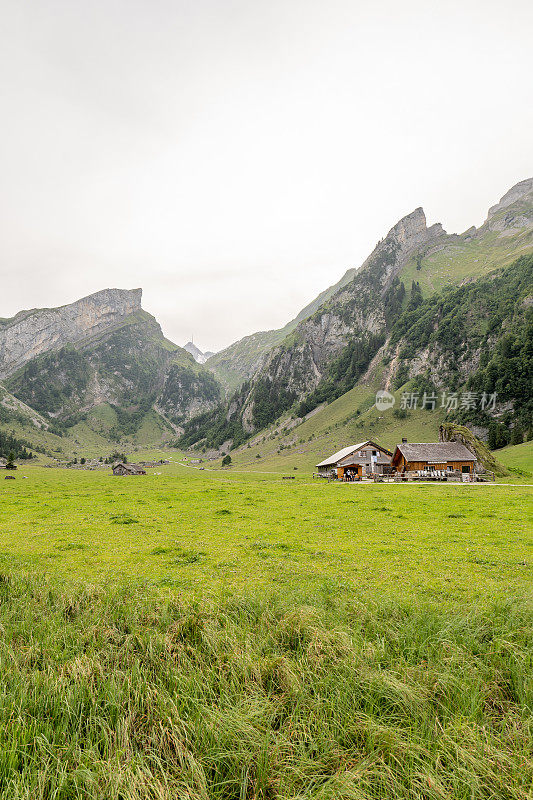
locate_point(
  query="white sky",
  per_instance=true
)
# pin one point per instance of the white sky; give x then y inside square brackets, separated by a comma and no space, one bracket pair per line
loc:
[235,157]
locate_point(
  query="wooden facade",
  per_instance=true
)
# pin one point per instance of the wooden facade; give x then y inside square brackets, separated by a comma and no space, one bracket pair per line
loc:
[350,469]
[443,456]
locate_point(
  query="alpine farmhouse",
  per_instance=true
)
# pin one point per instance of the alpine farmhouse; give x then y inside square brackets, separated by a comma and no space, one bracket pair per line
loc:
[434,456]
[357,460]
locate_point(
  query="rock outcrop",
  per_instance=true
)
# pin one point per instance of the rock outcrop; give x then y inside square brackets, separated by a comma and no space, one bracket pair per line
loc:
[196,353]
[295,367]
[514,212]
[102,349]
[31,333]
[520,191]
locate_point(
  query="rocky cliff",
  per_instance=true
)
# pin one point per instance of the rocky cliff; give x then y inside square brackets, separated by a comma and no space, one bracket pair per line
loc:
[356,310]
[328,349]
[102,350]
[515,209]
[31,333]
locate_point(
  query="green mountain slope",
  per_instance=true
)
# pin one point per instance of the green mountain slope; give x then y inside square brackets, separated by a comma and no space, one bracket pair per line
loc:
[479,336]
[241,360]
[330,350]
[103,364]
[442,260]
[130,366]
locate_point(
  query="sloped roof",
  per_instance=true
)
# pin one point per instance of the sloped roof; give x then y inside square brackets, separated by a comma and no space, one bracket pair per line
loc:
[435,452]
[347,451]
[134,468]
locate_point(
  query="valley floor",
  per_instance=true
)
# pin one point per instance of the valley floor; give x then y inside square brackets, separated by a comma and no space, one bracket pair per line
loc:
[225,532]
[222,635]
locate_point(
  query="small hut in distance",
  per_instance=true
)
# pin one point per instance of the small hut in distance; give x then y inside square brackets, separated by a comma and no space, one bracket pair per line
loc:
[120,468]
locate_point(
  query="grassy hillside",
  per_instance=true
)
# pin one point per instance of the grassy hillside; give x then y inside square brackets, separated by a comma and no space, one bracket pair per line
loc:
[352,418]
[466,258]
[518,460]
[349,419]
[92,437]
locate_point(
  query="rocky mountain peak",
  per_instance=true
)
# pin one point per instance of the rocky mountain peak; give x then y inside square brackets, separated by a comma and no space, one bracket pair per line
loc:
[411,225]
[196,353]
[514,212]
[31,333]
[519,191]
[412,230]
[403,239]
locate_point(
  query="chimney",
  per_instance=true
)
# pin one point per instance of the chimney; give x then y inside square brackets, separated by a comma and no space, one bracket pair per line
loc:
[404,441]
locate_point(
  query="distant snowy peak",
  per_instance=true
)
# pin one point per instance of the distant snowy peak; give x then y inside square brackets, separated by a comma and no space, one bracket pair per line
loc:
[196,353]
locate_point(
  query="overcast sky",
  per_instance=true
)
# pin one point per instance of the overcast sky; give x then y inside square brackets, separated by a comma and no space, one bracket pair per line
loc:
[235,157]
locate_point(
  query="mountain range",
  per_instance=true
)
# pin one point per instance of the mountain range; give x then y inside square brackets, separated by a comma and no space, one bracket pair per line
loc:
[102,351]
[325,353]
[441,310]
[196,353]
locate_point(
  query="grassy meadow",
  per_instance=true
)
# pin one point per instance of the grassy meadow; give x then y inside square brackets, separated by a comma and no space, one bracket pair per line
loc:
[231,635]
[206,532]
[466,258]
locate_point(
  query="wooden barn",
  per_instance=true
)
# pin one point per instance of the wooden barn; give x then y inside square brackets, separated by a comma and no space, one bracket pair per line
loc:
[357,460]
[120,468]
[434,456]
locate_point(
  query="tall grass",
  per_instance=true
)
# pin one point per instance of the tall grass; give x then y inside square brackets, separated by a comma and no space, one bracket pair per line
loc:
[112,694]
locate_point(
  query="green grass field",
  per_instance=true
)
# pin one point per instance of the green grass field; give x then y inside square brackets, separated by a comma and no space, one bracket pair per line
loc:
[230,635]
[226,532]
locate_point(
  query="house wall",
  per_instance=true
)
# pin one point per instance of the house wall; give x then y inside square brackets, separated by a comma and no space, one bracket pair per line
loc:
[364,463]
[412,466]
[456,465]
[326,470]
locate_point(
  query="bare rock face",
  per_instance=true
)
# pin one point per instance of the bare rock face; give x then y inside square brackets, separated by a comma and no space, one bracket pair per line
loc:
[196,353]
[356,310]
[517,192]
[514,211]
[31,333]
[412,231]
